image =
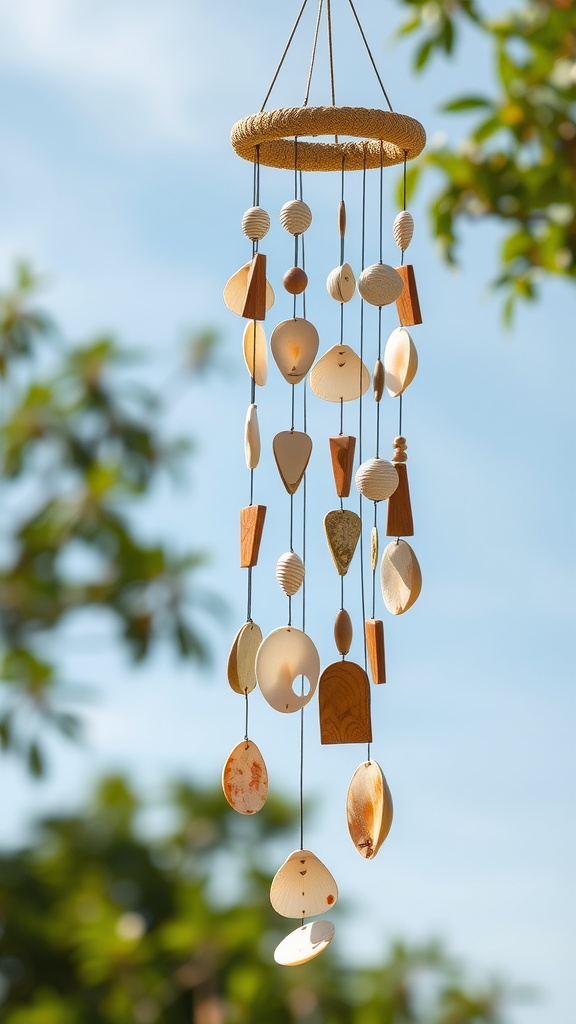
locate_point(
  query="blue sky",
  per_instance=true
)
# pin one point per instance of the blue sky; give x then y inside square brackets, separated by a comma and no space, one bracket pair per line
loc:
[118,181]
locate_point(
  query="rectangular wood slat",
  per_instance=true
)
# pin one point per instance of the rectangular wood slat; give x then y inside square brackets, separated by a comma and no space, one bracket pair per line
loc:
[255,302]
[251,526]
[399,521]
[407,304]
[374,633]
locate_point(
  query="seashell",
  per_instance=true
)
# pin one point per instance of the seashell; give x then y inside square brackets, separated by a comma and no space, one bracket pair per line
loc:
[339,376]
[245,779]
[252,437]
[400,576]
[341,283]
[290,572]
[255,223]
[242,658]
[380,284]
[400,361]
[376,479]
[284,655]
[234,293]
[342,528]
[403,229]
[292,450]
[295,216]
[304,943]
[294,344]
[295,280]
[303,886]
[256,352]
[368,808]
[343,632]
[378,380]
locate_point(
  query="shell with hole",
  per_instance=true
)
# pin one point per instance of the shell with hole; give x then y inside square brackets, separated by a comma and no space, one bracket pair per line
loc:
[234,293]
[340,376]
[284,655]
[245,778]
[376,479]
[255,223]
[400,361]
[369,808]
[290,572]
[341,283]
[242,658]
[303,886]
[294,344]
[401,577]
[380,284]
[295,216]
[255,352]
[304,943]
[252,437]
[403,229]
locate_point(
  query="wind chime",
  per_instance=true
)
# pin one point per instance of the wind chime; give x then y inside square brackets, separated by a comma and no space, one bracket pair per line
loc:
[285,665]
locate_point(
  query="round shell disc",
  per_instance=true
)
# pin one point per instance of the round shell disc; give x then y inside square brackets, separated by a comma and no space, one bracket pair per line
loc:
[304,943]
[242,658]
[285,655]
[368,809]
[303,886]
[294,344]
[400,576]
[234,294]
[339,376]
[245,779]
[255,352]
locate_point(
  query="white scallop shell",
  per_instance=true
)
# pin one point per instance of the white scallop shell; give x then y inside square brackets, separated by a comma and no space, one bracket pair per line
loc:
[304,943]
[255,223]
[303,886]
[400,361]
[403,229]
[339,376]
[245,778]
[376,479]
[290,572]
[284,655]
[341,283]
[295,216]
[234,293]
[401,577]
[294,344]
[252,438]
[380,284]
[256,352]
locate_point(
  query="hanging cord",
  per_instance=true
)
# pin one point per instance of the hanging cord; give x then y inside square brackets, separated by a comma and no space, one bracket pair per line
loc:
[283,57]
[256,191]
[378,403]
[342,237]
[246,717]
[374,569]
[331,56]
[360,416]
[403,197]
[381,197]
[304,503]
[370,54]
[313,57]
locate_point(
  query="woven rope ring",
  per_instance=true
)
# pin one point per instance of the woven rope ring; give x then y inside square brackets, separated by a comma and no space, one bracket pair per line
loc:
[387,138]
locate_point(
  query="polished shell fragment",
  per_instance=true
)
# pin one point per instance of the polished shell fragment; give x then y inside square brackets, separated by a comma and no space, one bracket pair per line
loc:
[303,886]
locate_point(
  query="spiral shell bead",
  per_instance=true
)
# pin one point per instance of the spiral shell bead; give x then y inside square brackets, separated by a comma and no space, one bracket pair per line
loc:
[290,572]
[376,479]
[295,216]
[255,223]
[403,229]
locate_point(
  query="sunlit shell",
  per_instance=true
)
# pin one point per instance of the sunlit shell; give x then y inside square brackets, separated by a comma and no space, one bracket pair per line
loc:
[403,229]
[339,376]
[242,658]
[294,344]
[286,654]
[234,293]
[400,361]
[295,216]
[368,808]
[255,223]
[245,779]
[376,479]
[303,886]
[256,352]
[341,283]
[304,943]
[401,577]
[380,284]
[252,438]
[290,572]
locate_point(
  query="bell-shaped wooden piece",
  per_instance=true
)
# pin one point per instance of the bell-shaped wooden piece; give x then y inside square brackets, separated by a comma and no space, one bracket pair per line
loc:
[245,779]
[252,438]
[256,352]
[242,658]
[342,528]
[234,294]
[342,450]
[376,479]
[285,655]
[304,943]
[403,229]
[292,450]
[374,633]
[303,886]
[380,284]
[344,704]
[408,303]
[294,344]
[295,216]
[400,361]
[339,376]
[341,283]
[290,572]
[401,577]
[369,809]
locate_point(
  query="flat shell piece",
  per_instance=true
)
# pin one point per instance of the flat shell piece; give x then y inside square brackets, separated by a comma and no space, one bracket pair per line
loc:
[242,658]
[294,344]
[401,577]
[292,450]
[245,778]
[234,294]
[340,375]
[368,808]
[256,352]
[400,361]
[252,438]
[303,886]
[344,704]
[342,528]
[285,655]
[341,283]
[304,943]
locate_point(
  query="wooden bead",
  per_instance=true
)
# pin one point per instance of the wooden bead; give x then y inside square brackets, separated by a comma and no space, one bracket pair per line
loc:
[342,450]
[303,886]
[341,283]
[401,577]
[292,450]
[369,809]
[408,304]
[339,376]
[252,438]
[378,380]
[399,450]
[295,216]
[304,943]
[290,572]
[242,658]
[255,223]
[295,280]
[342,528]
[294,344]
[283,656]
[380,284]
[343,631]
[344,704]
[399,521]
[400,361]
[342,218]
[403,229]
[245,779]
[251,526]
[376,479]
[374,634]
[234,293]
[256,352]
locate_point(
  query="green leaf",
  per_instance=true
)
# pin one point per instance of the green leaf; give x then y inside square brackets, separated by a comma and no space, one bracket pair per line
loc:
[466,103]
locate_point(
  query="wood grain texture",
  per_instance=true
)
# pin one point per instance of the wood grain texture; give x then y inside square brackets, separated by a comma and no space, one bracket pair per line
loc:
[399,522]
[254,307]
[292,450]
[286,654]
[342,528]
[344,704]
[303,886]
[374,633]
[401,577]
[242,658]
[245,779]
[407,303]
[294,344]
[304,943]
[343,632]
[251,525]
[339,376]
[342,450]
[369,809]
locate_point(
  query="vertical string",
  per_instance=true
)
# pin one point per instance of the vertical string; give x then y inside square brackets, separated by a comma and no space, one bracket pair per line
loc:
[360,416]
[304,503]
[403,198]
[246,715]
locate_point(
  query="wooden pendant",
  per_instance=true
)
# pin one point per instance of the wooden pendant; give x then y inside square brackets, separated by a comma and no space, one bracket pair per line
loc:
[292,450]
[245,779]
[341,283]
[254,307]
[256,352]
[376,479]
[401,577]
[379,284]
[378,380]
[342,528]
[295,280]
[400,361]
[251,525]
[374,547]
[303,886]
[295,216]
[304,943]
[242,658]
[294,344]
[407,303]
[339,376]
[344,703]
[234,294]
[374,633]
[399,521]
[283,656]
[369,809]
[290,572]
[252,438]
[343,632]
[342,218]
[342,454]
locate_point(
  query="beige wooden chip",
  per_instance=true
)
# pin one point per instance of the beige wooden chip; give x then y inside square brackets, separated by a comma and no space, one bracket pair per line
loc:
[303,887]
[234,294]
[284,656]
[242,658]
[304,943]
[339,376]
[294,344]
[245,779]
[256,352]
[252,437]
[400,361]
[292,450]
[400,576]
[368,808]
[342,528]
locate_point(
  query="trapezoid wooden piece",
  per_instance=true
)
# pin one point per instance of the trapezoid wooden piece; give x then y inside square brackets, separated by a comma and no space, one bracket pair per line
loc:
[342,528]
[374,633]
[369,809]
[254,307]
[304,943]
[242,658]
[245,778]
[407,303]
[342,450]
[292,450]
[303,886]
[251,525]
[234,294]
[399,522]
[344,704]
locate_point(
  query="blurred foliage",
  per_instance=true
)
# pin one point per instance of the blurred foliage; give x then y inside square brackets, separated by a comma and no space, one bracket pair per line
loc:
[81,442]
[101,926]
[517,163]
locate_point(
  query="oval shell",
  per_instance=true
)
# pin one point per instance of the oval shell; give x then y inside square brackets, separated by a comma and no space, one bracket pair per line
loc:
[339,376]
[245,778]
[295,280]
[252,437]
[343,632]
[400,361]
[376,479]
[304,943]
[234,293]
[380,284]
[290,572]
[255,223]
[369,809]
[341,283]
[295,216]
[285,655]
[242,658]
[303,886]
[400,576]
[294,344]
[378,380]
[403,229]
[256,352]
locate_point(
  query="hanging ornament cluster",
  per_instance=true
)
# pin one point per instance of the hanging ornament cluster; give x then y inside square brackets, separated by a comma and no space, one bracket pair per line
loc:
[285,665]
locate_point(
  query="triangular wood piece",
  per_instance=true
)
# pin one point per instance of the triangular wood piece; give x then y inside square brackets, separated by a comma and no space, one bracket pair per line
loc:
[254,307]
[407,303]
[342,528]
[292,449]
[342,454]
[399,521]
[251,526]
[344,703]
[374,633]
[369,809]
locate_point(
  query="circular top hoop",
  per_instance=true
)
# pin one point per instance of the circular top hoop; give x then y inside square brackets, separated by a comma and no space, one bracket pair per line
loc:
[387,138]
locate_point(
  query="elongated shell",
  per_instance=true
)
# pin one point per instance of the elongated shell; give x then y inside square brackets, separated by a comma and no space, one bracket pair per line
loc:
[290,572]
[234,293]
[403,229]
[255,352]
[255,223]
[380,284]
[284,655]
[295,216]
[245,778]
[368,808]
[401,577]
[252,438]
[341,283]
[376,479]
[303,886]
[304,943]
[400,361]
[242,658]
